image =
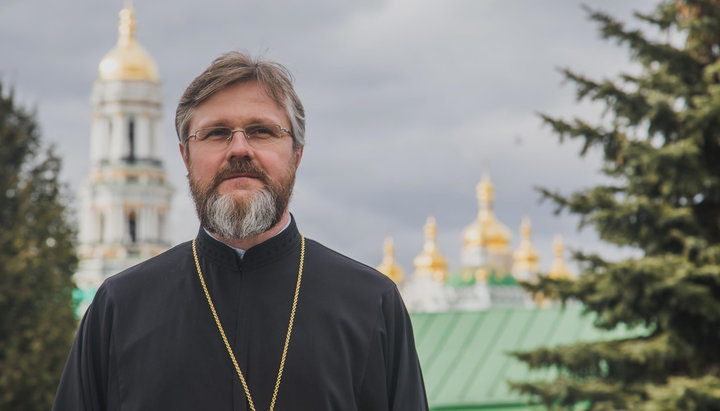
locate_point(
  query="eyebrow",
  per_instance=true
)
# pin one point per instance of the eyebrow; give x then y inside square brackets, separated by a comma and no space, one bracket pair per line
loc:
[215,124]
[251,120]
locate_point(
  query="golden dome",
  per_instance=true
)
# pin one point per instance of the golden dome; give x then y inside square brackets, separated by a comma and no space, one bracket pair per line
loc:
[486,230]
[430,262]
[388,266]
[128,60]
[558,269]
[525,258]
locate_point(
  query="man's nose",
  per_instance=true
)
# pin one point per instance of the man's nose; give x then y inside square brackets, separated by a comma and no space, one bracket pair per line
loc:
[238,144]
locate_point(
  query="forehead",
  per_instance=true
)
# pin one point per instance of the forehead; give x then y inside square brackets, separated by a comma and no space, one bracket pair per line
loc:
[237,105]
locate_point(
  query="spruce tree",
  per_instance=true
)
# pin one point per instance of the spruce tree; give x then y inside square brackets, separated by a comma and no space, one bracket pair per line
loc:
[37,260]
[659,138]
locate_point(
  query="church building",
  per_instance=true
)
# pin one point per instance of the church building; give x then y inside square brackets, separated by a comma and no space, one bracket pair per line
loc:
[465,319]
[489,270]
[125,201]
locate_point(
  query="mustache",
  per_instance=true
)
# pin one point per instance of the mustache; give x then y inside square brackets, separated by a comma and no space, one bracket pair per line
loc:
[240,166]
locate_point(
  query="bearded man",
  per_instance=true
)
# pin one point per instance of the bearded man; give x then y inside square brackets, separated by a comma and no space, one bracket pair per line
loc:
[250,314]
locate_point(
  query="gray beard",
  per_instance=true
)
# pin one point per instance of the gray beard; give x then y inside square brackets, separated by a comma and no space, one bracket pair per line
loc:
[236,220]
[239,218]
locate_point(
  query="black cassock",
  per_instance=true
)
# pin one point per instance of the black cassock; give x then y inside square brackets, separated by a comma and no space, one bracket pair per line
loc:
[149,341]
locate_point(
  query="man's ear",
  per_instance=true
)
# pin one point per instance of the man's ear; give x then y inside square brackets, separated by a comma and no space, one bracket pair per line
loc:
[184,152]
[298,156]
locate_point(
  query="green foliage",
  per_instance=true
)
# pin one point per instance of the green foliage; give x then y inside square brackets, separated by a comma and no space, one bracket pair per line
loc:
[37,260]
[660,143]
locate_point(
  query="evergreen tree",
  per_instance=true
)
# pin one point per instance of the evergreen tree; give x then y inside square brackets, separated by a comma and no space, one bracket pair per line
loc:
[660,144]
[37,259]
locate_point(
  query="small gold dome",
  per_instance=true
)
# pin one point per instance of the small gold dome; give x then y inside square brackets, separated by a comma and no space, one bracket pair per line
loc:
[128,60]
[430,262]
[558,269]
[388,266]
[486,230]
[525,258]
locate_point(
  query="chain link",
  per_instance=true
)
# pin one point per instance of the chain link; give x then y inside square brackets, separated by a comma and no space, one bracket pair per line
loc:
[224,337]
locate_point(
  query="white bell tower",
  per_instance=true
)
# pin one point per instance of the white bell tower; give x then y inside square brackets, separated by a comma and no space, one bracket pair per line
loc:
[125,202]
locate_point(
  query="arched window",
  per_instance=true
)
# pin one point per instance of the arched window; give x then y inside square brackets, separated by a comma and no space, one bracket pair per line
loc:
[101,228]
[151,138]
[131,139]
[161,226]
[110,138]
[132,226]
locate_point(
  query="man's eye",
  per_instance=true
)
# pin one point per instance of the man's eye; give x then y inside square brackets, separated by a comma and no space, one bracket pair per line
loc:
[261,131]
[215,134]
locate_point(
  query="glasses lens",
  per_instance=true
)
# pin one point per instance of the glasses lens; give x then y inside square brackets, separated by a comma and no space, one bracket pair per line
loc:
[259,134]
[262,134]
[213,134]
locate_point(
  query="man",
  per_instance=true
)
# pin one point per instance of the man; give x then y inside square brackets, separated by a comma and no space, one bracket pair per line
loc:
[250,314]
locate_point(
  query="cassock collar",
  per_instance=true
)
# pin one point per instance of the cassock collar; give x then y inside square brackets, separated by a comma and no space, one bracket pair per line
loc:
[260,254]
[240,252]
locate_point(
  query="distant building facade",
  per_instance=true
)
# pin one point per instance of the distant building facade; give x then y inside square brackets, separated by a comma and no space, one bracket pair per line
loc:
[489,271]
[124,219]
[125,201]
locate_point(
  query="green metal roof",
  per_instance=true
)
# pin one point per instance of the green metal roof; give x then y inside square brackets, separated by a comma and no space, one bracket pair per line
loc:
[463,353]
[466,277]
[82,298]
[461,278]
[496,278]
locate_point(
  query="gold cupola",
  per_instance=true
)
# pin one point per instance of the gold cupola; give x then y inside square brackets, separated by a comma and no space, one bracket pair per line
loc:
[128,60]
[486,231]
[525,258]
[558,269]
[388,266]
[430,262]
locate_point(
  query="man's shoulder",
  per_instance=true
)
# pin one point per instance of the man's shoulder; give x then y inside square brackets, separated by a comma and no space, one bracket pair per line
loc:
[159,268]
[345,268]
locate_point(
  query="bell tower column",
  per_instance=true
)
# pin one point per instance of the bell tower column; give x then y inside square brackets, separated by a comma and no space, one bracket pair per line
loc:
[127,180]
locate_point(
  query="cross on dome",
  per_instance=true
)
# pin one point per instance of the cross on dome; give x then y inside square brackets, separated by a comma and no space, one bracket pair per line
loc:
[128,60]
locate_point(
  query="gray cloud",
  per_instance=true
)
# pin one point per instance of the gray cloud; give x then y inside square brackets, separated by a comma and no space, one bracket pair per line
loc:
[408,102]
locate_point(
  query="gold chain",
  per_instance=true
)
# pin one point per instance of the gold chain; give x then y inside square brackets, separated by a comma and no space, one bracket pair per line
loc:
[225,340]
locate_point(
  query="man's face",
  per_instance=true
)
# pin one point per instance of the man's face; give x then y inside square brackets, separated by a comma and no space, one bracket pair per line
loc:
[239,173]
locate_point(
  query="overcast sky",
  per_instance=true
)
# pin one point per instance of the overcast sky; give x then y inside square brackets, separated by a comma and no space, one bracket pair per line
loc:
[408,102]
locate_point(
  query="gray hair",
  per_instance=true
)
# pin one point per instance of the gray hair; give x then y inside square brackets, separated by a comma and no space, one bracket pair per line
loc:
[229,220]
[235,67]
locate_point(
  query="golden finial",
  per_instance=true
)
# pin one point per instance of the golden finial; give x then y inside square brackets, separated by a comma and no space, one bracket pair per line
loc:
[430,262]
[525,258]
[430,229]
[485,191]
[126,28]
[128,60]
[558,246]
[389,247]
[486,231]
[558,269]
[525,228]
[388,266]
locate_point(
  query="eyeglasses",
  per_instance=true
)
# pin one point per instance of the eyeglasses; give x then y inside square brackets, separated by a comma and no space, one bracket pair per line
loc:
[256,135]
